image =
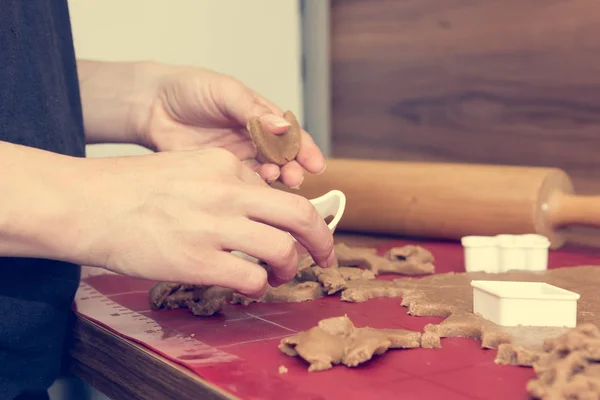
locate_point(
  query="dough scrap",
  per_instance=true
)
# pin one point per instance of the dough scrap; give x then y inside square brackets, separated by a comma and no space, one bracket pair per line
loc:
[353,274]
[337,341]
[291,292]
[210,301]
[200,300]
[311,281]
[358,291]
[277,149]
[405,260]
[569,368]
[330,278]
[408,260]
[160,292]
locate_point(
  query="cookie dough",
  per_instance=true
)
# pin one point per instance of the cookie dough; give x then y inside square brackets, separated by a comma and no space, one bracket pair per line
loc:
[358,291]
[569,368]
[210,301]
[311,281]
[408,260]
[353,274]
[277,149]
[200,300]
[337,341]
[405,260]
[291,292]
[450,296]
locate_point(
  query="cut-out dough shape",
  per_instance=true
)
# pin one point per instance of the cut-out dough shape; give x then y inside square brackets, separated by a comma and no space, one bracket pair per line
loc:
[278,149]
[337,341]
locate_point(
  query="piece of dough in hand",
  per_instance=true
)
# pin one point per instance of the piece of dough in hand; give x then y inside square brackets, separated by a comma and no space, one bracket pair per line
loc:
[277,149]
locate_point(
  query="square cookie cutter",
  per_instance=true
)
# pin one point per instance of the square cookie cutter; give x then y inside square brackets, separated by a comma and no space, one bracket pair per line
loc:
[513,303]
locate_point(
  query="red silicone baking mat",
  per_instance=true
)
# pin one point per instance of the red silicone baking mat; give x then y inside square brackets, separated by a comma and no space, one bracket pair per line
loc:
[238,350]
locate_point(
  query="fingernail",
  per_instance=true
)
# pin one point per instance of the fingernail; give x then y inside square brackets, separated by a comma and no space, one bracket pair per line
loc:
[273,178]
[296,187]
[275,120]
[323,170]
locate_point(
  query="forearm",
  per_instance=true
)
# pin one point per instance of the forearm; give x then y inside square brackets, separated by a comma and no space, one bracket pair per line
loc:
[35,202]
[113,103]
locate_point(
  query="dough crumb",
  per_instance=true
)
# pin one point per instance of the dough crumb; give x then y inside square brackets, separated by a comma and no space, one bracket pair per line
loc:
[282,370]
[337,341]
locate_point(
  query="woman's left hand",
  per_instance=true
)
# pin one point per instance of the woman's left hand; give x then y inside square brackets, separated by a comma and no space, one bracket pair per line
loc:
[194,108]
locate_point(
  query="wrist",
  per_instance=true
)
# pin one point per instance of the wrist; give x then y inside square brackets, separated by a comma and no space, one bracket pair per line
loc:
[37,203]
[116,98]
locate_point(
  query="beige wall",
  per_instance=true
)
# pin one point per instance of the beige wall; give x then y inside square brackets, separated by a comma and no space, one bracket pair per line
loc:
[258,41]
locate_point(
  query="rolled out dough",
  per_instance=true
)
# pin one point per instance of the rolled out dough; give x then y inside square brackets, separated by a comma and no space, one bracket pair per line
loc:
[451,296]
[337,341]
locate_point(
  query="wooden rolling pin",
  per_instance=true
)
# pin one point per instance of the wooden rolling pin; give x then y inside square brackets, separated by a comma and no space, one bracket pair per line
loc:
[449,201]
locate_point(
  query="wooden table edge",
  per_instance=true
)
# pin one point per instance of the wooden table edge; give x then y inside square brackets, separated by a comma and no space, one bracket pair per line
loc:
[124,370]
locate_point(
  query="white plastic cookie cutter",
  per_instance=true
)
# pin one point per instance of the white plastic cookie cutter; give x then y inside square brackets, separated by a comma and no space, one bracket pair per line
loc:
[502,253]
[507,303]
[331,205]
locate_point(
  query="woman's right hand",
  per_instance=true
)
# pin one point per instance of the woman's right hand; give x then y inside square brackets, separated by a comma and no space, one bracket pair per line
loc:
[175,216]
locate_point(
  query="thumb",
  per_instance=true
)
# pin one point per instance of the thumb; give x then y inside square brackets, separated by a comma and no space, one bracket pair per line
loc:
[242,103]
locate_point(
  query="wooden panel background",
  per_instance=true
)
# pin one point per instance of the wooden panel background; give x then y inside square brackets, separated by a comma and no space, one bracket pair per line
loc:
[493,81]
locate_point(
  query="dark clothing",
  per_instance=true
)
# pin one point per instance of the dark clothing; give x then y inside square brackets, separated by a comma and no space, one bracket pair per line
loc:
[39,107]
[43,395]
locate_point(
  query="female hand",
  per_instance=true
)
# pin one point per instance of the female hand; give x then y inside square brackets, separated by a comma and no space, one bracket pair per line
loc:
[192,108]
[176,216]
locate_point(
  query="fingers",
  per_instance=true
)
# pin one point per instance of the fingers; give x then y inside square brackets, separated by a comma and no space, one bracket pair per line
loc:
[294,214]
[276,248]
[230,271]
[246,103]
[249,173]
[268,172]
[310,156]
[242,103]
[292,175]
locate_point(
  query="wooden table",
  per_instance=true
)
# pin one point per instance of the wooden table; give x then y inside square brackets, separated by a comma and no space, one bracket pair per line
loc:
[124,370]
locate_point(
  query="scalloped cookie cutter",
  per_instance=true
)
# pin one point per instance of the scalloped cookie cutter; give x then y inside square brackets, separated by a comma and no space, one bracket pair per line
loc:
[503,253]
[331,205]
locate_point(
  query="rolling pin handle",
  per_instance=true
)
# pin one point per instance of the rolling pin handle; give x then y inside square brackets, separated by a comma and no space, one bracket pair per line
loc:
[568,209]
